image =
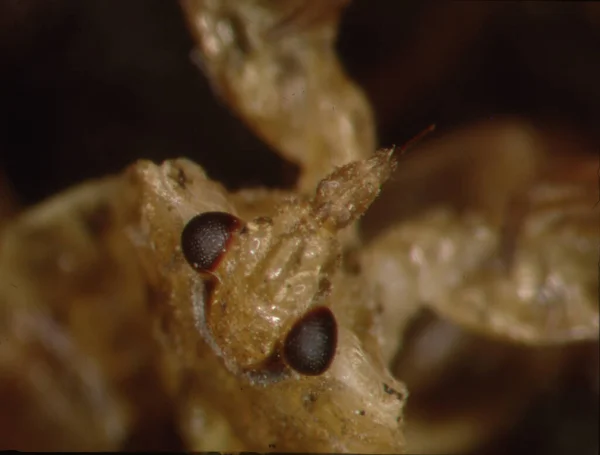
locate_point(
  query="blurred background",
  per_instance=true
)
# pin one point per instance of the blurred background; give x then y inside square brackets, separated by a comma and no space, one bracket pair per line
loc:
[87,87]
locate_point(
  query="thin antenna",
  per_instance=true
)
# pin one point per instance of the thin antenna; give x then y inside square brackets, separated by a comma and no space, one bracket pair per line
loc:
[404,149]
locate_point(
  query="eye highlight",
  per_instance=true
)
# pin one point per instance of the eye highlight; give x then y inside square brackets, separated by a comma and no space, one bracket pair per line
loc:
[310,345]
[205,237]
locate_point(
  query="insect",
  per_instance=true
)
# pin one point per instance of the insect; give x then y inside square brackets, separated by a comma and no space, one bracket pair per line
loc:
[277,272]
[151,300]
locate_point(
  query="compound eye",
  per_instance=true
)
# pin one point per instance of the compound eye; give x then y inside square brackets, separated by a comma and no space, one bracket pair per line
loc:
[205,237]
[310,345]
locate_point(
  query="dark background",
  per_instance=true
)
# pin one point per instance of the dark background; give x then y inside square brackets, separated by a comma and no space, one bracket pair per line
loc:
[87,87]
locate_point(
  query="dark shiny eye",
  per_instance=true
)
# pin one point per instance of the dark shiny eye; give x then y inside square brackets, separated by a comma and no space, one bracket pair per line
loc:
[205,237]
[310,345]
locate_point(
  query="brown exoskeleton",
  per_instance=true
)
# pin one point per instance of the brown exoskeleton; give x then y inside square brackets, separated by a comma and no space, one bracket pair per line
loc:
[276,273]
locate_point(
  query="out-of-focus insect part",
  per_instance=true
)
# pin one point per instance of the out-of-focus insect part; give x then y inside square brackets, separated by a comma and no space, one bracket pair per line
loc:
[275,65]
[277,270]
[524,269]
[205,237]
[310,345]
[492,230]
[76,356]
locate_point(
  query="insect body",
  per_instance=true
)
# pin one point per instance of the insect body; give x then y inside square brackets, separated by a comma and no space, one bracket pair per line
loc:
[267,309]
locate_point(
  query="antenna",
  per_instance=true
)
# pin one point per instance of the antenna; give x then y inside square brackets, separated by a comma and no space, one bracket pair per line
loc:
[408,145]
